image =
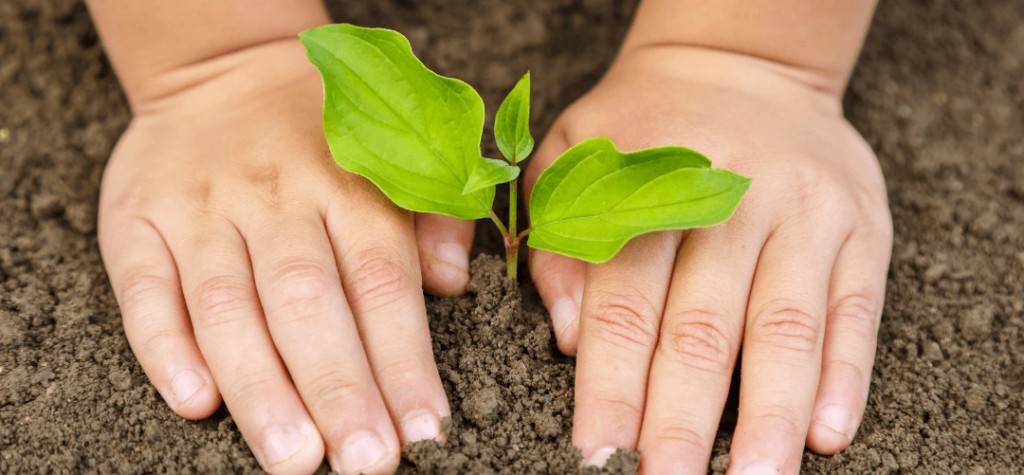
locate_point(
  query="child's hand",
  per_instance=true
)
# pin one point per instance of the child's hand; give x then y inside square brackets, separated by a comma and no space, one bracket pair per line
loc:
[796,276]
[249,265]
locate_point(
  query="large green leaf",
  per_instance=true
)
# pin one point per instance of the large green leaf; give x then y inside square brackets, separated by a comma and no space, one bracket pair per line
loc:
[594,199]
[490,172]
[415,134]
[512,124]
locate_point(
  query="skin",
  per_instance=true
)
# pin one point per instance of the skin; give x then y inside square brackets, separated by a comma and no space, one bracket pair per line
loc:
[795,279]
[246,261]
[249,267]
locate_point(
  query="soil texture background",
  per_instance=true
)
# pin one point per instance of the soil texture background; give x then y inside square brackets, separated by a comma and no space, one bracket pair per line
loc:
[937,93]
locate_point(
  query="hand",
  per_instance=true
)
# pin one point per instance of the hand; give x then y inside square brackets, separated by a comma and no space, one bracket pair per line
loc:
[796,276]
[249,265]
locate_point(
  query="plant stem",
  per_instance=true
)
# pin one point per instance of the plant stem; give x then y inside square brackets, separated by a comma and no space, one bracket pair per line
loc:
[501,225]
[512,238]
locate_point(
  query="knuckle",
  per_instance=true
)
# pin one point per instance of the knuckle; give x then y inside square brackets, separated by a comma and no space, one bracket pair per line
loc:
[842,372]
[621,408]
[160,341]
[627,320]
[786,326]
[817,191]
[400,372]
[332,389]
[698,339]
[377,279]
[300,286]
[856,312]
[221,299]
[249,388]
[678,433]
[140,288]
[778,420]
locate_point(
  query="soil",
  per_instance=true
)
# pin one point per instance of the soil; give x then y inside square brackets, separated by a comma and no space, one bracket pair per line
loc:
[937,93]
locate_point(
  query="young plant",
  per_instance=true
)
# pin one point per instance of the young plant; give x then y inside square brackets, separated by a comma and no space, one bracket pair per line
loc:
[416,135]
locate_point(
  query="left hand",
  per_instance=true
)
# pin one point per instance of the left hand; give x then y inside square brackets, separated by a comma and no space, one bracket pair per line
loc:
[796,276]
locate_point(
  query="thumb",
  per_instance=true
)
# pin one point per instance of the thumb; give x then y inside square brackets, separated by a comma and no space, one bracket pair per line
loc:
[559,279]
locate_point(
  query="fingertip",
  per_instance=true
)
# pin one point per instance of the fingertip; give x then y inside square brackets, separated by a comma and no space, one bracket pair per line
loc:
[565,322]
[599,457]
[192,394]
[560,281]
[289,450]
[445,269]
[443,244]
[832,429]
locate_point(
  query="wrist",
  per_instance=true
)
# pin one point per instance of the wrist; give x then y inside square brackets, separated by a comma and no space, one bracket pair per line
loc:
[771,81]
[819,38]
[240,82]
[146,40]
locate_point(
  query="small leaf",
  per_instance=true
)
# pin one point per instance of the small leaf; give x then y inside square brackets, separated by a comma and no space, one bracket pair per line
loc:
[490,172]
[512,124]
[593,199]
[413,133]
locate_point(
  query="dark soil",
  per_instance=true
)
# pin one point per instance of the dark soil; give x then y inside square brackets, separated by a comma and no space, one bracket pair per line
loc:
[938,94]
[511,391]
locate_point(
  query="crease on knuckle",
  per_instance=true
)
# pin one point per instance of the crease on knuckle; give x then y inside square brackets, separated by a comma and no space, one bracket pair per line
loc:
[786,326]
[300,288]
[677,433]
[249,387]
[400,372]
[220,300]
[779,420]
[159,341]
[623,409]
[377,280]
[856,312]
[333,389]
[140,288]
[697,339]
[843,372]
[815,195]
[625,320]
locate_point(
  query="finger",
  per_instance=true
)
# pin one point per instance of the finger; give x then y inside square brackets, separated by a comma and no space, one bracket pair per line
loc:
[145,281]
[559,279]
[380,275]
[231,331]
[697,348]
[782,346]
[854,311]
[444,244]
[622,307]
[316,336]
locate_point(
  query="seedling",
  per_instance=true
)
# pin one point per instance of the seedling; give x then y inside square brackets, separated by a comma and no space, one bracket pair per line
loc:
[416,135]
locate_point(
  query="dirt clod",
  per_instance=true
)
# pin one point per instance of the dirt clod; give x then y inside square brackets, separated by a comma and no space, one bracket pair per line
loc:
[977,323]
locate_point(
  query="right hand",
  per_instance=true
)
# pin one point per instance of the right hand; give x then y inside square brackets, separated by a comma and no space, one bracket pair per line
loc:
[248,265]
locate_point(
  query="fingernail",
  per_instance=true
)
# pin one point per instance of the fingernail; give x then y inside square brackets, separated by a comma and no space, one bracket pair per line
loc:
[425,426]
[599,457]
[185,384]
[563,312]
[760,468]
[835,417]
[360,451]
[281,443]
[453,254]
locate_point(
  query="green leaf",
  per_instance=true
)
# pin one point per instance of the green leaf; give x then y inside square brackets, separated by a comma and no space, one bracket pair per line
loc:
[594,199]
[490,172]
[387,117]
[512,125]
